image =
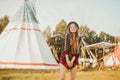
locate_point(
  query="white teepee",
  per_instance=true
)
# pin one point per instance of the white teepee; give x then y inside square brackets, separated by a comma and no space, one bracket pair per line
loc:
[114,58]
[22,44]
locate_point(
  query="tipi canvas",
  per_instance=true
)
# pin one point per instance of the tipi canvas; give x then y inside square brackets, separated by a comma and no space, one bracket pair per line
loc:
[114,58]
[112,61]
[22,44]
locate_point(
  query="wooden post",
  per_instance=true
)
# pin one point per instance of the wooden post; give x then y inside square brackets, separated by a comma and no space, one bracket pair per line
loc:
[96,55]
[103,57]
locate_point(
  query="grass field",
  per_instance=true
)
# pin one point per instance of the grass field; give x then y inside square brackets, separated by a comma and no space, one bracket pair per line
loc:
[11,74]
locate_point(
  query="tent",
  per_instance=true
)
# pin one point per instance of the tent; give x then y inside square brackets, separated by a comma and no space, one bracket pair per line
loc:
[113,59]
[91,60]
[100,45]
[22,45]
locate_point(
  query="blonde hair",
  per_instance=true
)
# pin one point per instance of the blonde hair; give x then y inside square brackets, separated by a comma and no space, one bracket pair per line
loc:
[74,43]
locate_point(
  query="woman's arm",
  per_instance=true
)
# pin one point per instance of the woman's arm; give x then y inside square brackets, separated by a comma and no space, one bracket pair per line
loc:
[73,59]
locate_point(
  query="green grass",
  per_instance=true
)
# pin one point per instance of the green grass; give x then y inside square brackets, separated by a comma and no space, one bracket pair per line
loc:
[11,74]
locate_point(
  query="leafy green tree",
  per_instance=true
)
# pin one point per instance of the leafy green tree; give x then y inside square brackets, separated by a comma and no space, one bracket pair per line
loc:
[61,28]
[56,40]
[59,34]
[83,30]
[47,33]
[91,37]
[106,37]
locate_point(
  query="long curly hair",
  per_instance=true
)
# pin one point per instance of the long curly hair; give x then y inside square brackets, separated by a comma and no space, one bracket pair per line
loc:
[73,39]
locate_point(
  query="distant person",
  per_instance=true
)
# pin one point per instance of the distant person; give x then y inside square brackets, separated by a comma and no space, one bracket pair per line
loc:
[70,55]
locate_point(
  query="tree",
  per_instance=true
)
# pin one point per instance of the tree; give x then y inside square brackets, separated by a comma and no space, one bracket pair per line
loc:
[3,23]
[59,34]
[83,30]
[91,37]
[61,28]
[106,37]
[47,33]
[56,40]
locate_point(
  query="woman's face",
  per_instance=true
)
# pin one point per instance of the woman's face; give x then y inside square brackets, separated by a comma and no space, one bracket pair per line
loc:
[73,28]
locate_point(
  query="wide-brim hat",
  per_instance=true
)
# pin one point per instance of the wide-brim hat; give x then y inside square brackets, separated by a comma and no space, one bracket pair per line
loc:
[72,22]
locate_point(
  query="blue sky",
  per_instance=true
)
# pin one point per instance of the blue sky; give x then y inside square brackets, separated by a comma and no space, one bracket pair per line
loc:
[99,15]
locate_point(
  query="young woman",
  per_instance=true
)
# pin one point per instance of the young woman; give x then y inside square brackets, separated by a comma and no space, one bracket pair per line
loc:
[70,55]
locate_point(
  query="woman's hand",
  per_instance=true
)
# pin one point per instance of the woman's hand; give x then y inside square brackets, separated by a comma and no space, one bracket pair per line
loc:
[71,63]
[68,62]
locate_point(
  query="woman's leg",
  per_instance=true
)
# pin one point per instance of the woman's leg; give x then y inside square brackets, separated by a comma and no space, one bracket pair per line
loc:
[63,71]
[73,73]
